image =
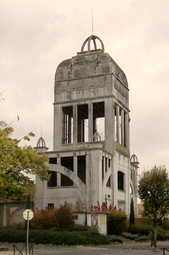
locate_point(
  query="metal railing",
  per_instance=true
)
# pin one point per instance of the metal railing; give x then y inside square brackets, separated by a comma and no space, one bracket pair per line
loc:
[23,251]
[164,249]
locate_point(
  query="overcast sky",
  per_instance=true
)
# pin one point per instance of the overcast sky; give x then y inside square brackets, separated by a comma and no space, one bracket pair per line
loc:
[36,35]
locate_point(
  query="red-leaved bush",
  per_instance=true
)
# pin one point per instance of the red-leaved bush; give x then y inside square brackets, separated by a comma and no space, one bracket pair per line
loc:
[53,218]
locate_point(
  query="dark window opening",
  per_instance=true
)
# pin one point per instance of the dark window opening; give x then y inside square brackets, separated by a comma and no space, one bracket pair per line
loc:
[109,162]
[81,167]
[67,127]
[98,122]
[52,160]
[109,182]
[67,162]
[102,168]
[105,164]
[82,128]
[120,127]
[53,179]
[65,181]
[51,206]
[120,180]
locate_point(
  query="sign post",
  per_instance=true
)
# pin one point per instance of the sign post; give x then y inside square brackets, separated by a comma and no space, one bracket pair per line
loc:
[28,215]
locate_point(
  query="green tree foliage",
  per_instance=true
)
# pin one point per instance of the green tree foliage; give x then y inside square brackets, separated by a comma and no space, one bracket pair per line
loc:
[15,162]
[153,190]
[81,205]
[132,215]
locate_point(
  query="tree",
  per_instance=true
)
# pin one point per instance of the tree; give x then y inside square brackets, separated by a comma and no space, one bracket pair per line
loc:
[15,162]
[153,190]
[132,216]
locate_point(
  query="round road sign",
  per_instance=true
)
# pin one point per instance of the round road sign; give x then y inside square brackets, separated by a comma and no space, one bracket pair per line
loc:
[28,214]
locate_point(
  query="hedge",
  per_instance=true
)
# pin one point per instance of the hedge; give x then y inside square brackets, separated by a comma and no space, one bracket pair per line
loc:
[54,237]
[116,223]
[140,229]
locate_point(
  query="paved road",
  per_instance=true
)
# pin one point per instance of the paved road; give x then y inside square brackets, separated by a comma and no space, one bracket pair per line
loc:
[129,248]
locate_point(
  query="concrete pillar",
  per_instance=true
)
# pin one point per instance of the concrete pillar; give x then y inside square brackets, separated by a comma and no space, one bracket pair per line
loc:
[90,122]
[58,174]
[126,130]
[4,214]
[122,127]
[88,181]
[74,126]
[58,125]
[75,164]
[117,122]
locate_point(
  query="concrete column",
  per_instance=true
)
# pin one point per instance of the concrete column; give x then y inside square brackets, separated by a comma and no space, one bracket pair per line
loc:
[4,214]
[103,167]
[74,126]
[117,122]
[75,164]
[109,125]
[58,174]
[122,127]
[88,181]
[126,130]
[58,125]
[90,122]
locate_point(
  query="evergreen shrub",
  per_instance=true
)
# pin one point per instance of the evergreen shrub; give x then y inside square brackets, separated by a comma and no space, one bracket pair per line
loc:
[116,223]
[140,229]
[88,237]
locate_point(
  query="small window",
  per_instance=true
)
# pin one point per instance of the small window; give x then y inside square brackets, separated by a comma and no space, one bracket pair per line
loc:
[51,206]
[52,160]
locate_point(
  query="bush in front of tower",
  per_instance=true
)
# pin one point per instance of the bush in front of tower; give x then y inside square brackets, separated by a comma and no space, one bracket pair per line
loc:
[61,218]
[117,222]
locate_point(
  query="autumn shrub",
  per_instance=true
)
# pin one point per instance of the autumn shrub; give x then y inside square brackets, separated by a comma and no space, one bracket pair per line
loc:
[44,219]
[116,223]
[64,217]
[61,218]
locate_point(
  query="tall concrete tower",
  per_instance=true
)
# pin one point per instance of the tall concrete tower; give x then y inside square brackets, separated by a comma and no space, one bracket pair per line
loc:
[91,155]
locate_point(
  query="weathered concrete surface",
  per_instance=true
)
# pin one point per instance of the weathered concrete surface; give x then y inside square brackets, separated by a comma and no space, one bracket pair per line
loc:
[90,87]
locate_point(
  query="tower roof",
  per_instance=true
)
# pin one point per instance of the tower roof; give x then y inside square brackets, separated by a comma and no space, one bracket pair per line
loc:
[88,63]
